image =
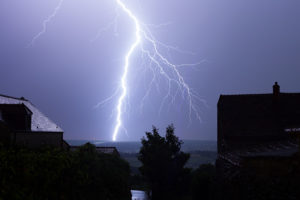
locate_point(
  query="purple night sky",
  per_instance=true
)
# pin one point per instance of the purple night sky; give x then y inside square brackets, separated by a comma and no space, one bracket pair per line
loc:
[245,47]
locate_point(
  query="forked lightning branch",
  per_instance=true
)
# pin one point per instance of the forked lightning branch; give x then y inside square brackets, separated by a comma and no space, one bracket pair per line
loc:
[158,64]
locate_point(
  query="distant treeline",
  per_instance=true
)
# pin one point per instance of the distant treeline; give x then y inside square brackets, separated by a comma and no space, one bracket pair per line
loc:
[196,159]
[134,146]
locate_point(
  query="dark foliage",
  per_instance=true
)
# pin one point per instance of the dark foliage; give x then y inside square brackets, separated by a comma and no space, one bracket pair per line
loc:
[163,164]
[138,182]
[203,182]
[56,174]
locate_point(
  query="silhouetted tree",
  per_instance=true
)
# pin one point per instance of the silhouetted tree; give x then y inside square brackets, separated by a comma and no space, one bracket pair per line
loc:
[163,164]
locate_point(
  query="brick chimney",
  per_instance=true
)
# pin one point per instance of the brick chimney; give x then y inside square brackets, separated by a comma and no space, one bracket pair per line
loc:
[276,90]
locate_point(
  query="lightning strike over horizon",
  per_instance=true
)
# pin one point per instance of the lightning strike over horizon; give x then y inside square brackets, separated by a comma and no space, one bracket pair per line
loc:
[126,66]
[161,63]
[158,65]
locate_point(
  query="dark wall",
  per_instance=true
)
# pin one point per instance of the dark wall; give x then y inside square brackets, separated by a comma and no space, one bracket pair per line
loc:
[255,119]
[16,116]
[38,139]
[5,134]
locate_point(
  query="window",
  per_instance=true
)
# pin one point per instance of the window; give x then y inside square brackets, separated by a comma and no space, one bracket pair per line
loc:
[292,129]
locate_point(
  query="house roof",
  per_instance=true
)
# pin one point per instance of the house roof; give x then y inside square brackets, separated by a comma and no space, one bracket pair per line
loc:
[259,99]
[261,110]
[258,125]
[107,150]
[291,100]
[273,149]
[39,121]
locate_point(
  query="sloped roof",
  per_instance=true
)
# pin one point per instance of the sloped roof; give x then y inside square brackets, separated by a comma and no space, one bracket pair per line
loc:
[262,110]
[39,121]
[273,149]
[109,150]
[261,102]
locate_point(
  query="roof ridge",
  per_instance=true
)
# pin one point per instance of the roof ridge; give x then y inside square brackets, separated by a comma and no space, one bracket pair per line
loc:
[21,98]
[255,94]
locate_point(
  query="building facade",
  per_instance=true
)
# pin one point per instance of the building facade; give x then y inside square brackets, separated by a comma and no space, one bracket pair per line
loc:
[258,144]
[22,124]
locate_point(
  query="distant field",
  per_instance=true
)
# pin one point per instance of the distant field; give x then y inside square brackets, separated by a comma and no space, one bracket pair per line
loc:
[197,158]
[201,151]
[134,146]
[201,157]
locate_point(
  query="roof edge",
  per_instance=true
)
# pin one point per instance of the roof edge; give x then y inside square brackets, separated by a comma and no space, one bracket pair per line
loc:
[21,98]
[256,94]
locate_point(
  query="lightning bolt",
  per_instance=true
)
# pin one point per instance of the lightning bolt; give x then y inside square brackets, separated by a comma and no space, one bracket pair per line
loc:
[45,23]
[157,63]
[126,66]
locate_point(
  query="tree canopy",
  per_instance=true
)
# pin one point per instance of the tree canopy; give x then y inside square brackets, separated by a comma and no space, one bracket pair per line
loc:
[163,163]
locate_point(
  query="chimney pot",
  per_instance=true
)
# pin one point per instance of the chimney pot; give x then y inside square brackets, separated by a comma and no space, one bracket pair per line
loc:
[276,89]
